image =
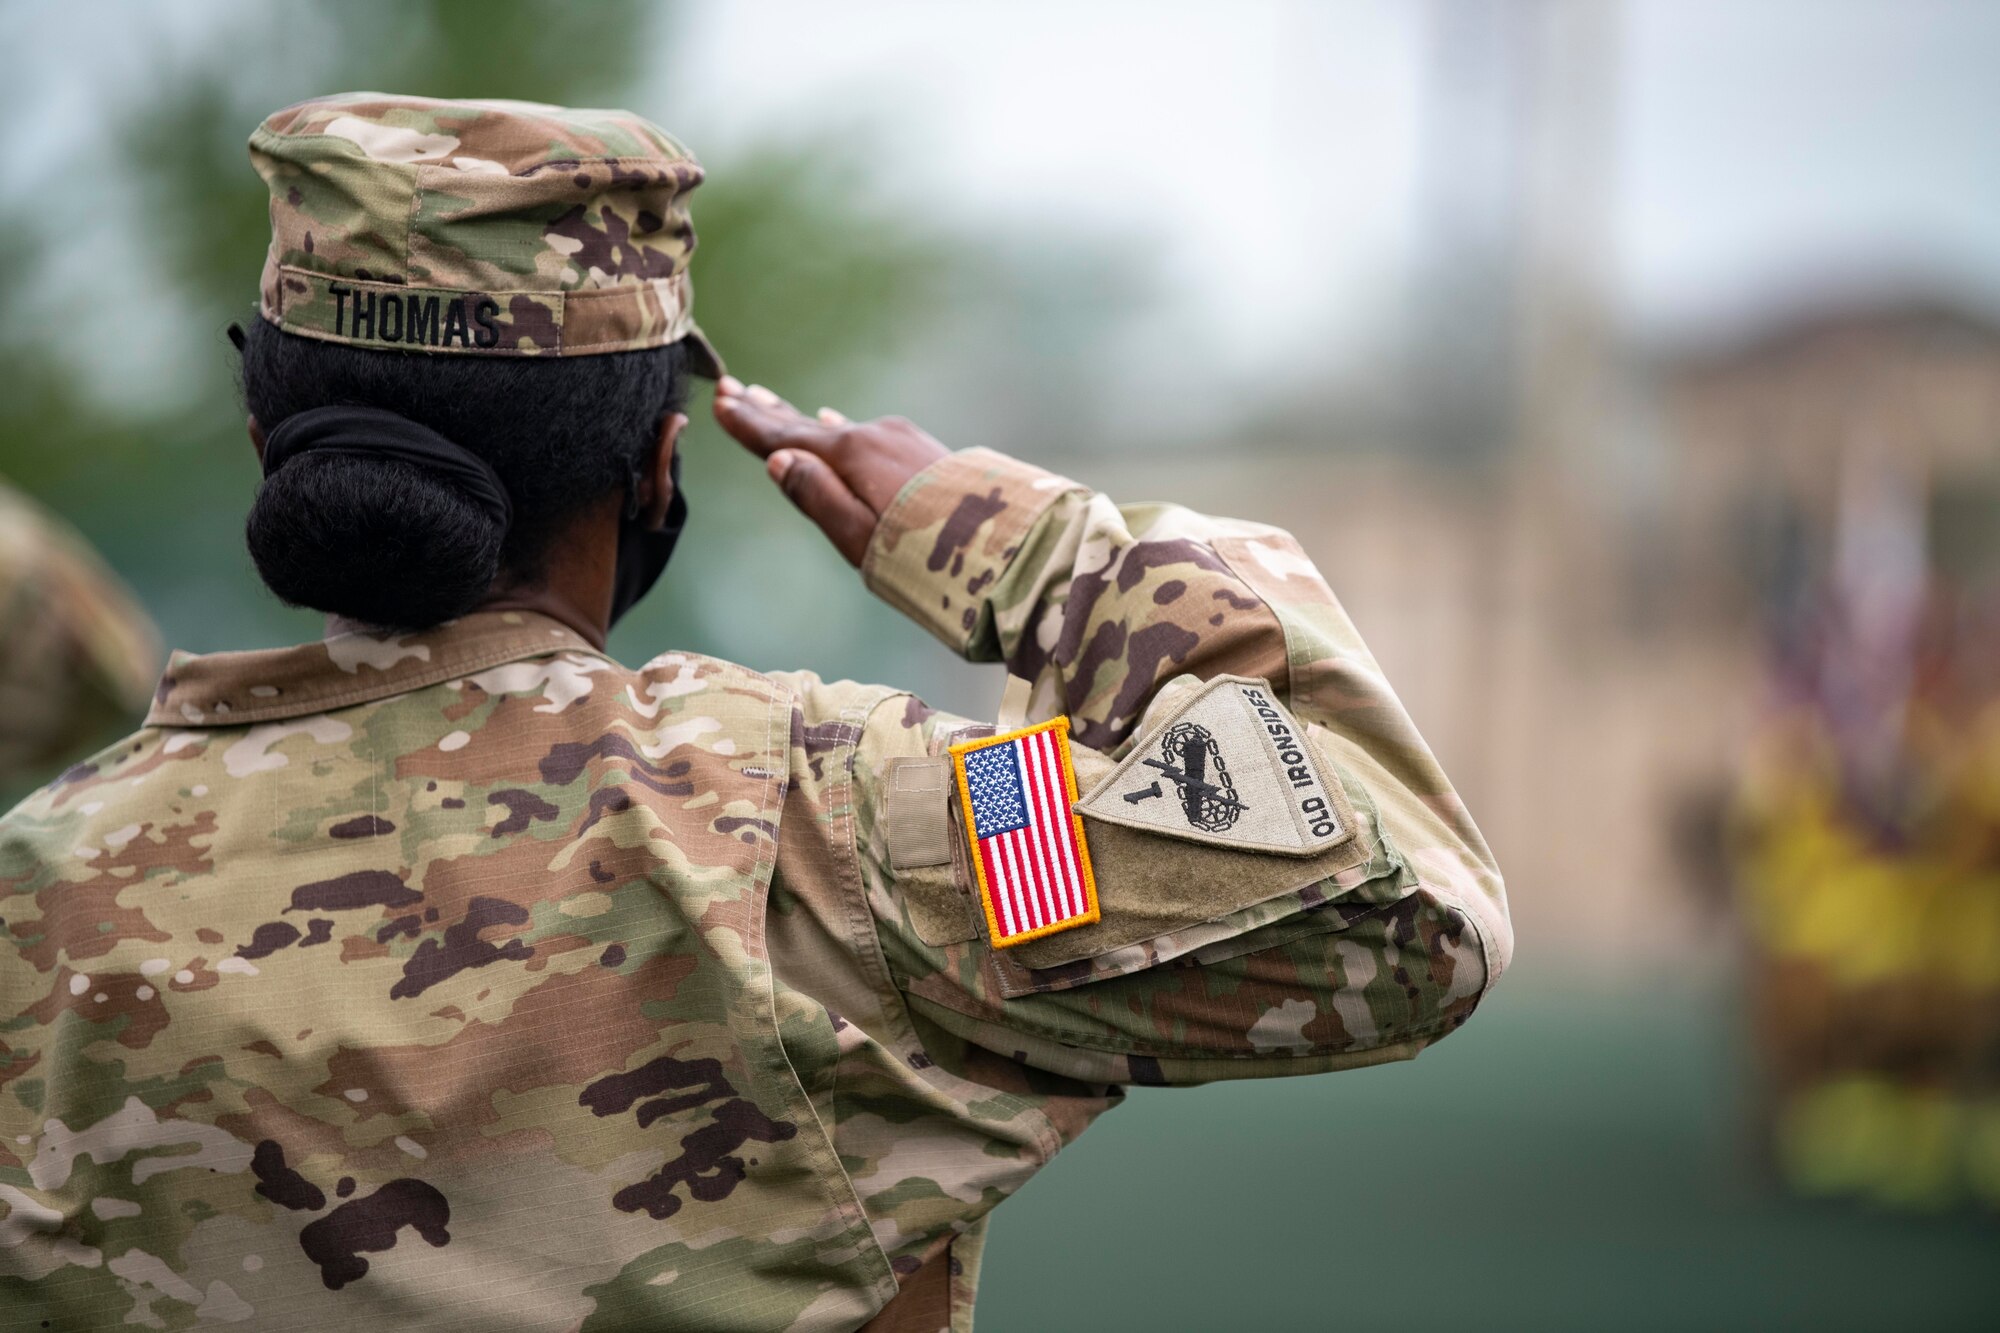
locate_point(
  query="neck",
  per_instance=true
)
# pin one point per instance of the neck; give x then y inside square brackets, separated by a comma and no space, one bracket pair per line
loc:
[545,602]
[582,574]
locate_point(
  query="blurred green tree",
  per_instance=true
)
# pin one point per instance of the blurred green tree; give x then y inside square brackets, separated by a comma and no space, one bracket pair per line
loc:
[800,282]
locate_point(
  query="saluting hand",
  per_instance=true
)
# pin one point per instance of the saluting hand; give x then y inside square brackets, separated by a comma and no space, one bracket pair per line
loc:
[842,474]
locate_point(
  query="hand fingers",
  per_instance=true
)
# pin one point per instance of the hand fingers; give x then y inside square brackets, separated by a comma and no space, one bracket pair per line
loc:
[761,429]
[824,498]
[769,401]
[872,460]
[763,422]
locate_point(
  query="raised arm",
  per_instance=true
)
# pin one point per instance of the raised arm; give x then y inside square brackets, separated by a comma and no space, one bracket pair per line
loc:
[1211,959]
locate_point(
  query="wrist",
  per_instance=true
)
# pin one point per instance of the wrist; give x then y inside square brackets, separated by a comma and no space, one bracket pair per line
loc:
[951,533]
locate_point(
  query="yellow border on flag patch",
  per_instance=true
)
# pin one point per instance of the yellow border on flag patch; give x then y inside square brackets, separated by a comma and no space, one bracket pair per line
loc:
[958,753]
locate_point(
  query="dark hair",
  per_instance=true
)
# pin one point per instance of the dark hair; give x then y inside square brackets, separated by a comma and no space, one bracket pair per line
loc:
[391,544]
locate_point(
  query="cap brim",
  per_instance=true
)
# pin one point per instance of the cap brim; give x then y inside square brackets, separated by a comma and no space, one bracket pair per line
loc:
[702,358]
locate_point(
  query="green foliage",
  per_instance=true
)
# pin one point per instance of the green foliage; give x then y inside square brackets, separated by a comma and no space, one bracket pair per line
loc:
[800,282]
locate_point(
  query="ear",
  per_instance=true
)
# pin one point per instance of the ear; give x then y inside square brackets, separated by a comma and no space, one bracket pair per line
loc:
[656,485]
[256,439]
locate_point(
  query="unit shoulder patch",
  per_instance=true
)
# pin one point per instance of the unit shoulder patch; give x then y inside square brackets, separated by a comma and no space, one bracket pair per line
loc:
[1025,844]
[1231,767]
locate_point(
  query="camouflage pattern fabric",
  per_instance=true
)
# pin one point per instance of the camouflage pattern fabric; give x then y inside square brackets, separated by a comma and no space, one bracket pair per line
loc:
[467,979]
[503,228]
[77,655]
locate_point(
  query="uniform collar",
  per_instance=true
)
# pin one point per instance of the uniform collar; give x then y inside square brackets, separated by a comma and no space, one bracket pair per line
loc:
[233,689]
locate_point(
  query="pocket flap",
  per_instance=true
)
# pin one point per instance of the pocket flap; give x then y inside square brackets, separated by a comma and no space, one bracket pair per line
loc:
[1175,876]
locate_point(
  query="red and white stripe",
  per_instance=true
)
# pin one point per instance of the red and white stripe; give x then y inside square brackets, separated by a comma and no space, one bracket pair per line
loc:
[1035,873]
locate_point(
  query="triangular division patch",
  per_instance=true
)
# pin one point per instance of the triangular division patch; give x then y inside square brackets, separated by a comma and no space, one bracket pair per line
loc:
[1234,768]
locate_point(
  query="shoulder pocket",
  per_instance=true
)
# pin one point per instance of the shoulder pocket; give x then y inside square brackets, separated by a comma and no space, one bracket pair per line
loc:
[1226,821]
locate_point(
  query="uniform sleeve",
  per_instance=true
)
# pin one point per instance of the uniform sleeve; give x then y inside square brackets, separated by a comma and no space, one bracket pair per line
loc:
[1215,962]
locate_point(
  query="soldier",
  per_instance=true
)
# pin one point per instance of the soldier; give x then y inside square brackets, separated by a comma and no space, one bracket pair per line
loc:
[77,655]
[449,974]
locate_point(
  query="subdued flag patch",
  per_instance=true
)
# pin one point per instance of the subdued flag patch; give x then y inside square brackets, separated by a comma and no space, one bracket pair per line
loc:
[1028,850]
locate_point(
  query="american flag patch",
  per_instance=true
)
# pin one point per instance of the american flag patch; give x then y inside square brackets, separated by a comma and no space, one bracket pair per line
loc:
[1028,850]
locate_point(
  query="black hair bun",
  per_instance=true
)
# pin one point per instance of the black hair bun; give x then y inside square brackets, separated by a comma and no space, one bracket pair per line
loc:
[348,523]
[378,541]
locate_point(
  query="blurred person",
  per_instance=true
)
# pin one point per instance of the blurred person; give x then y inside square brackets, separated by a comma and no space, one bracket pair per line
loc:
[448,973]
[78,656]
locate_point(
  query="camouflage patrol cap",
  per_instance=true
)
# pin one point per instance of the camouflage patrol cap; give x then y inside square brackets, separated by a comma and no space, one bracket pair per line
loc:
[479,227]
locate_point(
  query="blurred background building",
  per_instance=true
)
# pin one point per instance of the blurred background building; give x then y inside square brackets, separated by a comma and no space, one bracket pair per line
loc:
[1631,369]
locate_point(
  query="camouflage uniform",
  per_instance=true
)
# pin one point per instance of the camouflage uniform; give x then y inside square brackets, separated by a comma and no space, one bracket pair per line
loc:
[77,655]
[468,979]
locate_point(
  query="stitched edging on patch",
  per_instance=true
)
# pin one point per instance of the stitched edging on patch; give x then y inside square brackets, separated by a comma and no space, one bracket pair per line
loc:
[1335,790]
[999,938]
